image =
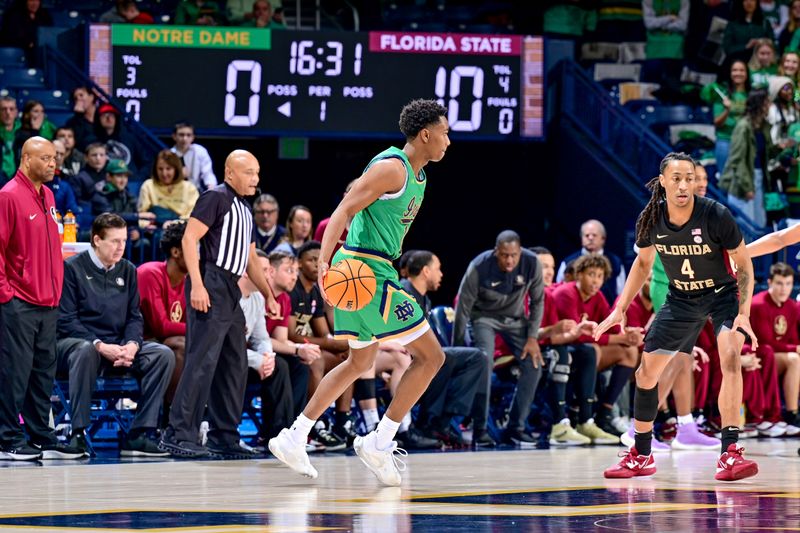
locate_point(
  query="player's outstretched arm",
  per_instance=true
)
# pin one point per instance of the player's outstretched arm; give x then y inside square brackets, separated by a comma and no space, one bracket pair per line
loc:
[772,242]
[386,176]
[745,279]
[640,269]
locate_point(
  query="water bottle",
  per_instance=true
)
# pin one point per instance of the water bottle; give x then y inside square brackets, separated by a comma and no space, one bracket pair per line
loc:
[60,223]
[70,227]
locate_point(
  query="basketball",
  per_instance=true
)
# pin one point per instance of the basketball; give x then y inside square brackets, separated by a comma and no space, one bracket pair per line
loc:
[350,284]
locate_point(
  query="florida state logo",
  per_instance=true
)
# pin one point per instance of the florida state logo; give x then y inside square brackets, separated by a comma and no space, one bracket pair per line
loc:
[780,326]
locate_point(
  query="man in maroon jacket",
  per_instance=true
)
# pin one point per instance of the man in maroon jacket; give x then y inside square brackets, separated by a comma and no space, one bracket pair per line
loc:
[31,277]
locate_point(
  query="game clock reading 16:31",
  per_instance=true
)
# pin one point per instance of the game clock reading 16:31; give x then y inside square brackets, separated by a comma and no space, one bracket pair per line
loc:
[250,81]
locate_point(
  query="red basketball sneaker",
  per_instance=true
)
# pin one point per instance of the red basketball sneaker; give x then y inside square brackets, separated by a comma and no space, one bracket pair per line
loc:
[732,466]
[632,465]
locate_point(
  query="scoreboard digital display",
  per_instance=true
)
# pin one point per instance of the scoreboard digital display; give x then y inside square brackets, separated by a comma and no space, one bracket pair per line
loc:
[252,82]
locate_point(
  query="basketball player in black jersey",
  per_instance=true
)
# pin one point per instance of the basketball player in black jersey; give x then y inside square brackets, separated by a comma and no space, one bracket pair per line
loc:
[695,237]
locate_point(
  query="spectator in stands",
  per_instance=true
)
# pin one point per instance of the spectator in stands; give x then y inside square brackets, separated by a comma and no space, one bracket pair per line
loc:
[776,12]
[746,25]
[492,297]
[569,19]
[762,65]
[593,240]
[619,21]
[126,11]
[783,110]
[271,372]
[452,391]
[163,301]
[166,195]
[82,122]
[320,231]
[21,23]
[307,324]
[34,123]
[109,128]
[268,232]
[241,12]
[100,331]
[298,230]
[666,24]
[62,191]
[31,279]
[115,197]
[74,158]
[728,99]
[282,276]
[776,318]
[261,17]
[582,300]
[746,175]
[9,124]
[197,167]
[85,184]
[786,40]
[789,66]
[199,13]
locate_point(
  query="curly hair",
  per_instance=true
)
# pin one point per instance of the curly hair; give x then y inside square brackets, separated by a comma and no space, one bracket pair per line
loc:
[585,262]
[652,210]
[172,236]
[418,115]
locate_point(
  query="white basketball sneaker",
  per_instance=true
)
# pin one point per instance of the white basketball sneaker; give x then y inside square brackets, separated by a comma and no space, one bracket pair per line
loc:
[292,455]
[385,464]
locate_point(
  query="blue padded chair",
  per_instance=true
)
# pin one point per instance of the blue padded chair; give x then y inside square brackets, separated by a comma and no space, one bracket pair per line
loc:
[441,321]
[12,57]
[52,100]
[22,78]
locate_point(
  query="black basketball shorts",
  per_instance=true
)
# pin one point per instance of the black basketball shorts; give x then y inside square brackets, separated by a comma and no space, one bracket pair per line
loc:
[680,320]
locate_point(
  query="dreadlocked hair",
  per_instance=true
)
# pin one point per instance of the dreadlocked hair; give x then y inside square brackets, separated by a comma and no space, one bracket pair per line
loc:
[652,210]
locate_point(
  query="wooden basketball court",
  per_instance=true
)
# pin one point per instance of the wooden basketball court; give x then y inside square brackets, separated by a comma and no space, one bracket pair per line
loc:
[503,490]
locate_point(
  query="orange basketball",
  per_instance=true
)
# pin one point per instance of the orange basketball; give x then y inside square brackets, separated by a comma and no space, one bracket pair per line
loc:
[350,284]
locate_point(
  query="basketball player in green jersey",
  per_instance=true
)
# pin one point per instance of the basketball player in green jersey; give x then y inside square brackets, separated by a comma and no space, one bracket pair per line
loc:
[382,204]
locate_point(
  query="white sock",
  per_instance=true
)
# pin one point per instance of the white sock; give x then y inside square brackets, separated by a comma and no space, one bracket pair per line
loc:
[405,423]
[385,432]
[300,429]
[685,419]
[371,418]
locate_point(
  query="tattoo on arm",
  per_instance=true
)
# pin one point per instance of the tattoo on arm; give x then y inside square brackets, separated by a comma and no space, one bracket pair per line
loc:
[743,281]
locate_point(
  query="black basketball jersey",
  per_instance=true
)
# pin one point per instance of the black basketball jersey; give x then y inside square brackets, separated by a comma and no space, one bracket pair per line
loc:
[695,256]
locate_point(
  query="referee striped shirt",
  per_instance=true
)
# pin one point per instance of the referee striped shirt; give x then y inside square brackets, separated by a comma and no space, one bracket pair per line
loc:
[230,228]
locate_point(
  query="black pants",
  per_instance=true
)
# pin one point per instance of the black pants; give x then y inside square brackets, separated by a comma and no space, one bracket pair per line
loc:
[27,371]
[277,406]
[215,367]
[298,374]
[453,388]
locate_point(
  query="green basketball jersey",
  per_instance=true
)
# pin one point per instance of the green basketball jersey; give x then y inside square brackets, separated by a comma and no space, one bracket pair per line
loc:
[383,224]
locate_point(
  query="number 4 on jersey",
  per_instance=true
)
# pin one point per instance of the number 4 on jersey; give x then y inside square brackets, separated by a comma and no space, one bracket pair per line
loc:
[686,269]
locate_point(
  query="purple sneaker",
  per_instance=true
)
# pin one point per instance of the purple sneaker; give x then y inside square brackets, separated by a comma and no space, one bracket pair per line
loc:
[690,438]
[657,446]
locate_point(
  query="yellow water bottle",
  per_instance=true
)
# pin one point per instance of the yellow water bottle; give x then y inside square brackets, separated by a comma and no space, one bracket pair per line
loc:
[70,227]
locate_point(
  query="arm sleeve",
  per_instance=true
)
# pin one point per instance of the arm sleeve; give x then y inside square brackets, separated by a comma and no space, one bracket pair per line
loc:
[651,20]
[192,194]
[208,207]
[69,324]
[259,338]
[206,169]
[254,359]
[560,274]
[7,213]
[682,22]
[536,295]
[467,294]
[154,308]
[145,198]
[134,323]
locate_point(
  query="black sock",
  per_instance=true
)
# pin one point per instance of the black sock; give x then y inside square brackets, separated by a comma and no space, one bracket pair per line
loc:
[790,418]
[341,418]
[730,435]
[643,442]
[620,375]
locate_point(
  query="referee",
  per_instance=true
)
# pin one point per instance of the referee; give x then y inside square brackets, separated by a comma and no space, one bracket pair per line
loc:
[215,374]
